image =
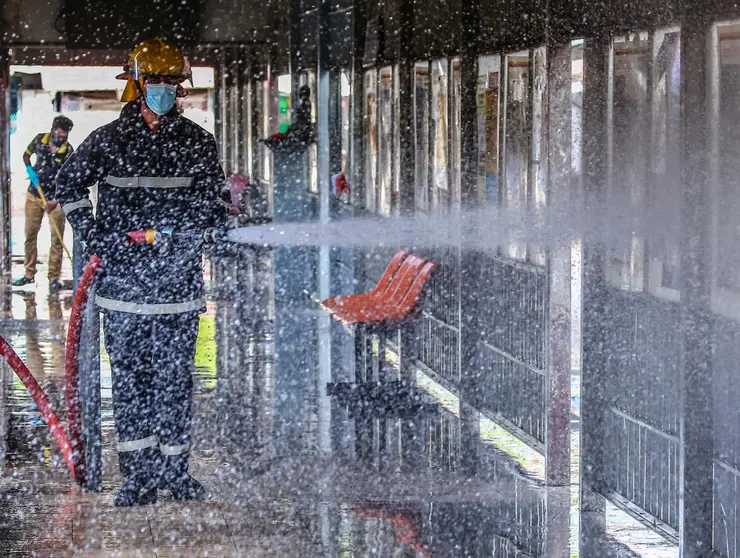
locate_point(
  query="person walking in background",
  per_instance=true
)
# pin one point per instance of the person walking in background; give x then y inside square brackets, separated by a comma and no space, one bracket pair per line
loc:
[51,150]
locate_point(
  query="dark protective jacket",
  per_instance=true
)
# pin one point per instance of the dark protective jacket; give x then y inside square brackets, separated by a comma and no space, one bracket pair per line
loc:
[171,179]
[47,164]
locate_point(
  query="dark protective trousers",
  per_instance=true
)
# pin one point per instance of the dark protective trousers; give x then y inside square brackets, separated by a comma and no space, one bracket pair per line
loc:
[152,359]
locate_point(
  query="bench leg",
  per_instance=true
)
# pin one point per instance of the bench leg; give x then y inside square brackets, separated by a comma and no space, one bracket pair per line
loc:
[382,364]
[368,372]
[409,353]
[359,353]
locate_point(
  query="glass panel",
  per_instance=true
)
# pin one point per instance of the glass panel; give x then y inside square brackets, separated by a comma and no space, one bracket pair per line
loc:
[312,171]
[455,131]
[284,85]
[260,116]
[385,141]
[370,135]
[421,135]
[630,134]
[517,137]
[396,138]
[440,133]
[345,84]
[266,130]
[728,225]
[488,129]
[577,113]
[539,146]
[664,248]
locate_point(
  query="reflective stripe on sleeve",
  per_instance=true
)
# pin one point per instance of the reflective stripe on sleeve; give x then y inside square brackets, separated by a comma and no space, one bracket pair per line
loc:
[174,450]
[150,309]
[150,181]
[68,208]
[134,445]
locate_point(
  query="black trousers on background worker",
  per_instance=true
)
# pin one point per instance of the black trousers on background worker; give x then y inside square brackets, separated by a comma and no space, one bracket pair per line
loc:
[152,360]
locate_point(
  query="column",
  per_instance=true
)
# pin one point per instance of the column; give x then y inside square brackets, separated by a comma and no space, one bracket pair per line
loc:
[5,164]
[557,127]
[595,168]
[697,431]
[470,291]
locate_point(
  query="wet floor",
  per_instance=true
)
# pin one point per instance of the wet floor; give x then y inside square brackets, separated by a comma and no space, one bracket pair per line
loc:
[296,461]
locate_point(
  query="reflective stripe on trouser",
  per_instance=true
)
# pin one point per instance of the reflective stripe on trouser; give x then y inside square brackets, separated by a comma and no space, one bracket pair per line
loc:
[195,305]
[174,450]
[134,445]
[151,362]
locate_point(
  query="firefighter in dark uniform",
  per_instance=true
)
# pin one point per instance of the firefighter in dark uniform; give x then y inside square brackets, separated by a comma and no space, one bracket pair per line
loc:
[51,150]
[155,170]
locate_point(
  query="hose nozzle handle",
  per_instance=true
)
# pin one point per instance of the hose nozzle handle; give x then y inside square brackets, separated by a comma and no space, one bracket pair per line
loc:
[142,237]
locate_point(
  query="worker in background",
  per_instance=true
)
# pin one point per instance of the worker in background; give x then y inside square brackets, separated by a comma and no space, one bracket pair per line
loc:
[157,170]
[51,151]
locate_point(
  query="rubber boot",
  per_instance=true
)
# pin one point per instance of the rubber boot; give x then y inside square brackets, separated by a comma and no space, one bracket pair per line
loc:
[140,488]
[174,477]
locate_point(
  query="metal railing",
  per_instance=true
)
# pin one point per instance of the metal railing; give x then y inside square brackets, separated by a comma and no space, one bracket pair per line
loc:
[511,357]
[642,416]
[439,330]
[725,364]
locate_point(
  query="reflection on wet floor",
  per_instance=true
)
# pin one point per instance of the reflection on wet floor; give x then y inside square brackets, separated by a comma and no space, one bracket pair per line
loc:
[294,467]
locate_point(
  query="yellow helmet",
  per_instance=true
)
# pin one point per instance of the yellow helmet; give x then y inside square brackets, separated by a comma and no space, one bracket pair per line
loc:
[154,57]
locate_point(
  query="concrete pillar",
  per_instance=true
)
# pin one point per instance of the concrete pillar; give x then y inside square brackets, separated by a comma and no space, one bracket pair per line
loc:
[406,79]
[5,254]
[595,168]
[697,431]
[324,143]
[557,127]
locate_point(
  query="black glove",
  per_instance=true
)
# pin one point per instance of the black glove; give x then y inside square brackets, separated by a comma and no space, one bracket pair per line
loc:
[106,244]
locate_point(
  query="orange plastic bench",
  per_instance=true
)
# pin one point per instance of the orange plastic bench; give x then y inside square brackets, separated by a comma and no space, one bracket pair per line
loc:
[394,300]
[338,303]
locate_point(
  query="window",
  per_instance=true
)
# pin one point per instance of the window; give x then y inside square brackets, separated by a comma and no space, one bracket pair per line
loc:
[283,120]
[312,171]
[370,134]
[440,134]
[260,117]
[455,132]
[385,142]
[396,139]
[538,199]
[345,120]
[421,135]
[516,142]
[664,251]
[266,129]
[629,163]
[488,129]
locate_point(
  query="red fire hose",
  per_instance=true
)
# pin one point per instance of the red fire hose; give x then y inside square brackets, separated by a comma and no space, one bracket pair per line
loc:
[74,416]
[42,402]
[73,451]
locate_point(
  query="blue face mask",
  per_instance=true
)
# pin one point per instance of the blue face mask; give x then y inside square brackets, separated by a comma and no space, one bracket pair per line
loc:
[160,97]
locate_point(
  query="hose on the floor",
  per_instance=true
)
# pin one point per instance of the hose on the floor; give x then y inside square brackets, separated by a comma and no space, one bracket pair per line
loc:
[72,390]
[42,402]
